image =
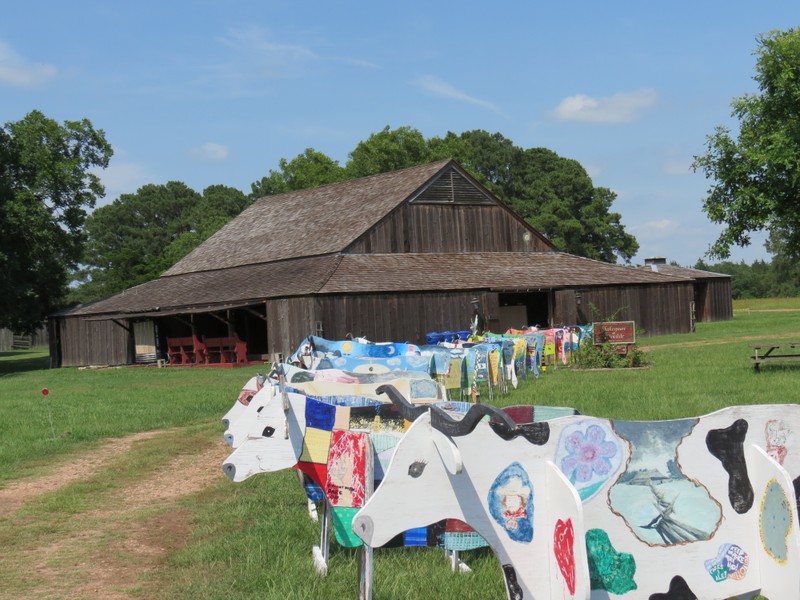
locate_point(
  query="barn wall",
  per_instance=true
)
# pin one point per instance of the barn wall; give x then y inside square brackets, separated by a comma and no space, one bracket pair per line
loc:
[448,228]
[398,317]
[656,309]
[718,305]
[82,343]
[289,321]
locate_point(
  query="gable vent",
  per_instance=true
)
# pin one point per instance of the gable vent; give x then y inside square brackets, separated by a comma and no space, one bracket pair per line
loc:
[452,188]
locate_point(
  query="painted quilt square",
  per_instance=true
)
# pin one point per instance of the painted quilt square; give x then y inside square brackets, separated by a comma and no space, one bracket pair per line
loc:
[315,471]
[320,415]
[416,537]
[346,481]
[316,444]
[342,418]
[342,518]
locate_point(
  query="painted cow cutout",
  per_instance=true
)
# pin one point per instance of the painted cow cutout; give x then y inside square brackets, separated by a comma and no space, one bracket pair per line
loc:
[693,508]
[249,389]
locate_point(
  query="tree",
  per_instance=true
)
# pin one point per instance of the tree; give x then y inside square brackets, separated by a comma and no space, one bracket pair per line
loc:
[139,236]
[387,151]
[306,170]
[46,185]
[757,175]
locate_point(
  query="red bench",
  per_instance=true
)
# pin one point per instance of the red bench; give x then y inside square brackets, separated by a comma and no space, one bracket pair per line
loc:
[226,350]
[186,350]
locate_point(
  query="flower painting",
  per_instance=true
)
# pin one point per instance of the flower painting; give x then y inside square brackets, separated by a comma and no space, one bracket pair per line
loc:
[589,454]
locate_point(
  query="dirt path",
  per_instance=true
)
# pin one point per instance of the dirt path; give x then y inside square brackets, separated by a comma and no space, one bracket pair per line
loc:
[109,552]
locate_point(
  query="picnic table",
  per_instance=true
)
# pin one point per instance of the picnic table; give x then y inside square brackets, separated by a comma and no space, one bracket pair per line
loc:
[775,352]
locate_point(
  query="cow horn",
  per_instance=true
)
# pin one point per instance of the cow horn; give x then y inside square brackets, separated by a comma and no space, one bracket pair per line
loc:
[407,410]
[445,423]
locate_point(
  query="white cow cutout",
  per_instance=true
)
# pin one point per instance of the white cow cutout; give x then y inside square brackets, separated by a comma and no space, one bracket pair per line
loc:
[670,510]
[249,389]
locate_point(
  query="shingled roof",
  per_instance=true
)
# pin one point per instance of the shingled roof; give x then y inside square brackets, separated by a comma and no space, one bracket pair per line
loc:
[311,222]
[683,271]
[363,273]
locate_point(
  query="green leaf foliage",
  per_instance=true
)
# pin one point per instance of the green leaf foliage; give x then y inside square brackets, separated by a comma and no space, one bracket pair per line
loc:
[756,175]
[139,236]
[46,187]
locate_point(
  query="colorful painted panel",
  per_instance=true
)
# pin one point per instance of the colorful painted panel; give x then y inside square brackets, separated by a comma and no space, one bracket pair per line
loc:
[511,502]
[589,455]
[775,521]
[659,503]
[345,484]
[731,562]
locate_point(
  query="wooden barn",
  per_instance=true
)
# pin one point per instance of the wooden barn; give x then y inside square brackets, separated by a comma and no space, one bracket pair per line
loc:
[387,257]
[712,291]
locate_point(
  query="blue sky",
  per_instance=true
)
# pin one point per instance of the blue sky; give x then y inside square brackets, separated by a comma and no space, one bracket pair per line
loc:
[217,92]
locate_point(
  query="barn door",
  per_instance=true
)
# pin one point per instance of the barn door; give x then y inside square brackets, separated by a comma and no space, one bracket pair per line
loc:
[144,337]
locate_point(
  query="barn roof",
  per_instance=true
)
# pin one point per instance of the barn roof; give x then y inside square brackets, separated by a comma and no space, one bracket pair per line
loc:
[309,222]
[683,271]
[362,273]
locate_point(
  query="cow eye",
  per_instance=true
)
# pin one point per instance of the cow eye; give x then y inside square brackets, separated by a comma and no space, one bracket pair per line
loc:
[416,468]
[268,431]
[260,408]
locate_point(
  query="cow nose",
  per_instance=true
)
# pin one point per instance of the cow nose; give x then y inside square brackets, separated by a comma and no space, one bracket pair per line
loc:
[228,439]
[226,423]
[364,527]
[230,470]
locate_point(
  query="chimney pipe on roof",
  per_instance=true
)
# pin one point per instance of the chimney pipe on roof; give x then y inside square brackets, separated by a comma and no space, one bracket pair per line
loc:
[655,260]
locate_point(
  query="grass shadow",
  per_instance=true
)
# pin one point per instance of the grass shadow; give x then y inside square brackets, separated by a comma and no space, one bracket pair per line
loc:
[12,362]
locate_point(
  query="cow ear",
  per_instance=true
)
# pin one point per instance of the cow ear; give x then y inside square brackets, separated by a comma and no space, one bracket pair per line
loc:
[448,452]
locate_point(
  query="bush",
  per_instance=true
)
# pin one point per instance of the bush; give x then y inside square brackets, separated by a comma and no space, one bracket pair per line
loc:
[604,356]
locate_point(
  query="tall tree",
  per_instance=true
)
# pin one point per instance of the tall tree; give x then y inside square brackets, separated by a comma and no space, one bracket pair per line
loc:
[757,175]
[306,170]
[388,150]
[46,187]
[129,238]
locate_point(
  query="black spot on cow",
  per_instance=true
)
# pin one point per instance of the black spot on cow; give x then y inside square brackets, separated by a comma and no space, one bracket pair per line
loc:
[727,445]
[514,591]
[678,590]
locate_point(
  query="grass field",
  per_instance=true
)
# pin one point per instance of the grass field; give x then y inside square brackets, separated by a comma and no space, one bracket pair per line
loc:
[159,520]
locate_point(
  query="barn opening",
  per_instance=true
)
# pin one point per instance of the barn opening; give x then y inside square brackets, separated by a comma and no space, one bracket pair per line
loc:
[522,309]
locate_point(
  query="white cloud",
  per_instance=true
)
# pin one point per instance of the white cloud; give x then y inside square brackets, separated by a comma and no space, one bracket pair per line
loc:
[210,151]
[15,71]
[436,86]
[623,107]
[256,52]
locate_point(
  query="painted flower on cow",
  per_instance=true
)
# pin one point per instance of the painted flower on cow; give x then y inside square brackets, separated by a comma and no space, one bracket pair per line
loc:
[587,454]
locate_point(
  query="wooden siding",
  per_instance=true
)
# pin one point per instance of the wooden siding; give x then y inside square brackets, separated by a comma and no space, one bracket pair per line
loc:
[656,309]
[289,321]
[397,317]
[427,228]
[713,301]
[10,340]
[83,343]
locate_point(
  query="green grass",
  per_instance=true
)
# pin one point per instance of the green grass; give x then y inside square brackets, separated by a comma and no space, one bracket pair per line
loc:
[253,539]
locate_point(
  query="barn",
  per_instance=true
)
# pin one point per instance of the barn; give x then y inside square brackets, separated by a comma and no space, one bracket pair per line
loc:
[387,257]
[713,300]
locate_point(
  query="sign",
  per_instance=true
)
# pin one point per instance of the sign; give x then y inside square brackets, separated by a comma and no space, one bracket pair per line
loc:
[614,332]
